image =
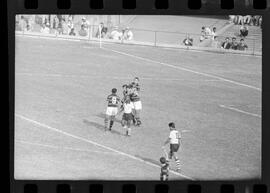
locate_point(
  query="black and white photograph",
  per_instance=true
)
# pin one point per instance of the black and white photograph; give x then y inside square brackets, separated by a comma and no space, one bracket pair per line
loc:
[138,97]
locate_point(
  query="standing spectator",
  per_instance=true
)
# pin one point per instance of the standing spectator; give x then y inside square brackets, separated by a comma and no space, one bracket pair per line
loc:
[240,20]
[232,18]
[55,22]
[234,44]
[202,37]
[247,19]
[102,30]
[242,45]
[128,35]
[215,43]
[188,41]
[208,32]
[226,44]
[243,30]
[213,33]
[70,24]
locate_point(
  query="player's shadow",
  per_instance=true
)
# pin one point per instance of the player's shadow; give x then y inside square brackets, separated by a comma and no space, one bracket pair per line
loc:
[102,115]
[101,127]
[156,162]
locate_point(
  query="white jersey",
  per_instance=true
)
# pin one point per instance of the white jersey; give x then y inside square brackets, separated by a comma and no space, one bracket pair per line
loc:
[174,137]
[128,107]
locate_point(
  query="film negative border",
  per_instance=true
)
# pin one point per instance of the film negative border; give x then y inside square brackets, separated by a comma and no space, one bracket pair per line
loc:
[144,7]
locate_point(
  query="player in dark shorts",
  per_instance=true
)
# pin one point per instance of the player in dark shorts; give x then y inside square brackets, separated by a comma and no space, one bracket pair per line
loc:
[164,171]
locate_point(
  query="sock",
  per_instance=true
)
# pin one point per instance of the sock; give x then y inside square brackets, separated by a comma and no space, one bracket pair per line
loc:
[128,131]
[177,161]
[111,124]
[106,123]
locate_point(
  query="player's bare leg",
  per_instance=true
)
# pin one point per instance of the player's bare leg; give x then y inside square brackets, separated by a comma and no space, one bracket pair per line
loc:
[128,128]
[137,117]
[111,122]
[106,120]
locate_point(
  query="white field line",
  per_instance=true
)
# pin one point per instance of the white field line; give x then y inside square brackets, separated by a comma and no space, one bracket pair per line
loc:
[111,77]
[185,69]
[97,144]
[240,111]
[63,148]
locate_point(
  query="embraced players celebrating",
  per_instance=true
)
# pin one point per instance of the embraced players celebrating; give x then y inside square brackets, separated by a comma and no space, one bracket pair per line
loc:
[130,104]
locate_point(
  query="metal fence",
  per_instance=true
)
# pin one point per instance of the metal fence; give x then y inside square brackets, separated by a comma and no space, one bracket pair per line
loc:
[144,37]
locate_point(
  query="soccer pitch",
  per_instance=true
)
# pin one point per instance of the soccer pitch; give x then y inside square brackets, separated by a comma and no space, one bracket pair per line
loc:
[60,102]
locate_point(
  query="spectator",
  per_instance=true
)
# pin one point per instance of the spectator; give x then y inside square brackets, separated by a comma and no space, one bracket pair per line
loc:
[102,30]
[55,22]
[188,41]
[208,32]
[232,18]
[45,28]
[240,20]
[247,19]
[242,45]
[128,35]
[72,32]
[213,33]
[82,31]
[202,37]
[215,43]
[226,44]
[243,30]
[70,24]
[84,24]
[60,27]
[115,34]
[234,44]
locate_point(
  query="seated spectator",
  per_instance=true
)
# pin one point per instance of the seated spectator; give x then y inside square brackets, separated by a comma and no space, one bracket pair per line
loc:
[226,44]
[72,32]
[70,24]
[115,34]
[234,44]
[127,35]
[188,41]
[243,31]
[60,27]
[242,45]
[215,43]
[208,32]
[240,20]
[82,31]
[45,28]
[84,24]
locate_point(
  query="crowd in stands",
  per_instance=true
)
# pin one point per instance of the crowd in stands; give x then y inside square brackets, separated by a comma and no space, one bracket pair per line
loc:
[64,25]
[255,20]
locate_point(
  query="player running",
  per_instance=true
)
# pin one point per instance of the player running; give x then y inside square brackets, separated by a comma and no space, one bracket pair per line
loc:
[135,98]
[112,109]
[127,116]
[174,140]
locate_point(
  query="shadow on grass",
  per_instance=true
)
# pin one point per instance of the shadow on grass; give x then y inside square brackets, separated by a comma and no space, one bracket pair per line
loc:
[102,115]
[101,127]
[156,162]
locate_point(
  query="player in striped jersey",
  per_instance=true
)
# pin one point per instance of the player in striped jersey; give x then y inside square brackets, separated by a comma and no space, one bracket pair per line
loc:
[112,109]
[135,98]
[135,84]
[174,140]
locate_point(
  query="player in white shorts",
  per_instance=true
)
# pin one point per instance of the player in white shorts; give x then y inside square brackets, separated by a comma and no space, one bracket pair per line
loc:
[174,140]
[112,109]
[127,116]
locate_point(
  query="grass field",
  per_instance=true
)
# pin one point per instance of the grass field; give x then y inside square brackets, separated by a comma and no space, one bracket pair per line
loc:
[60,101]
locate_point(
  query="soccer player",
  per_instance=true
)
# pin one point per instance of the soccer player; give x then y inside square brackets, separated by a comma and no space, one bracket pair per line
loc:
[135,83]
[164,173]
[112,109]
[127,116]
[174,140]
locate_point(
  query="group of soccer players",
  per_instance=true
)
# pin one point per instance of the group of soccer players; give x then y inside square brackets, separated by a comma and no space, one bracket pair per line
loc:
[130,105]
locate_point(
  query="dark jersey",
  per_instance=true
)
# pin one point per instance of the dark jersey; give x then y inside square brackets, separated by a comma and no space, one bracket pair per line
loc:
[113,100]
[164,171]
[136,85]
[134,97]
